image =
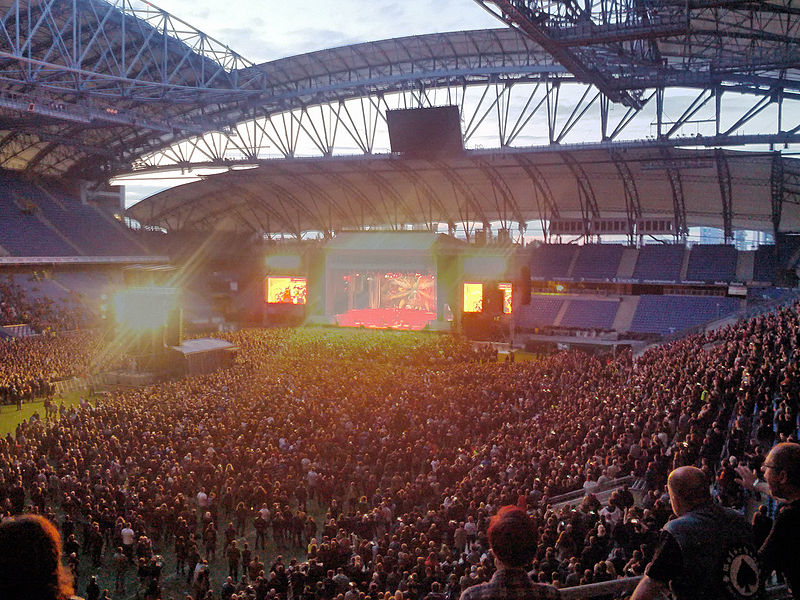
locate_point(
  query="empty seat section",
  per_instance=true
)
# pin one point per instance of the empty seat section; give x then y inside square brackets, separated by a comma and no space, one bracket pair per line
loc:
[91,285]
[671,314]
[25,235]
[550,261]
[87,228]
[83,225]
[41,288]
[659,262]
[541,312]
[598,261]
[765,264]
[712,262]
[590,314]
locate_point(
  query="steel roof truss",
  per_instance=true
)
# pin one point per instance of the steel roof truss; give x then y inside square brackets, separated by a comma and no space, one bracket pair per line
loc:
[629,115]
[523,120]
[577,113]
[759,106]
[678,202]
[633,207]
[472,126]
[725,192]
[552,109]
[588,201]
[698,103]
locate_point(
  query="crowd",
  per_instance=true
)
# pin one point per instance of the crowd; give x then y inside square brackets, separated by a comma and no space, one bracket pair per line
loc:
[30,365]
[357,465]
[40,312]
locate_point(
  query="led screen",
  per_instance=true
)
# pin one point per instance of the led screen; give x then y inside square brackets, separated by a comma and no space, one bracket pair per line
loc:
[286,290]
[408,290]
[473,297]
[506,288]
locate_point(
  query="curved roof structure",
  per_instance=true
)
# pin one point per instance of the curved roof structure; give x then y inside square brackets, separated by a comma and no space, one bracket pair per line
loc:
[86,85]
[722,189]
[90,87]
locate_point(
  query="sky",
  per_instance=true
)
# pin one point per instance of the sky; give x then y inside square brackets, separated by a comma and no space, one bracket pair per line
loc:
[262,31]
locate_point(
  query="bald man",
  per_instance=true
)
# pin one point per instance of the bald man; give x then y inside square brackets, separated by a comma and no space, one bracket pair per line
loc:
[706,552]
[781,471]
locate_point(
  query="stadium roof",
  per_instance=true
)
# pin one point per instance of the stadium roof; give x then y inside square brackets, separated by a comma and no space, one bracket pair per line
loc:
[90,87]
[86,85]
[696,187]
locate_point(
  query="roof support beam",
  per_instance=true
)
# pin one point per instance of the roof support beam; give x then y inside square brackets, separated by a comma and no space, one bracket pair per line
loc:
[589,206]
[678,202]
[633,207]
[776,189]
[725,192]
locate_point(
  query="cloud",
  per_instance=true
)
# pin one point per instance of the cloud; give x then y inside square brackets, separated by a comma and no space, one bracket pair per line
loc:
[266,31]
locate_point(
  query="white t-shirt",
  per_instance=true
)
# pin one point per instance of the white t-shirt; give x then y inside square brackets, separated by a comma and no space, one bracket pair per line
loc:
[128,537]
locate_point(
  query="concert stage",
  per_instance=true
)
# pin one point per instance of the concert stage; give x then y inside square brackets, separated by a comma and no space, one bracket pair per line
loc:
[409,280]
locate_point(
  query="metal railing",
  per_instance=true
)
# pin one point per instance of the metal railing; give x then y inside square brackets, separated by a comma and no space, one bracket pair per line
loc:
[618,587]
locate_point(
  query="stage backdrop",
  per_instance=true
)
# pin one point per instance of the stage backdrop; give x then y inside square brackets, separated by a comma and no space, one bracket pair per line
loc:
[390,279]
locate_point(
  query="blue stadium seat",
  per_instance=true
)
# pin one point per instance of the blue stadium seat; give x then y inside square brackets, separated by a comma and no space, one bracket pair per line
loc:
[659,262]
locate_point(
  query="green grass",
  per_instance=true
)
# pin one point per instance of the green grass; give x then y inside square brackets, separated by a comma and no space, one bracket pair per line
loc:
[10,417]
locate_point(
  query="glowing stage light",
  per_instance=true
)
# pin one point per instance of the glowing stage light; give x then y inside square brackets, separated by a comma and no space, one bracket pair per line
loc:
[146,308]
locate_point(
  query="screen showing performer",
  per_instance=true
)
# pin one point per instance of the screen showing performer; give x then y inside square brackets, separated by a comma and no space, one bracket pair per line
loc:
[286,290]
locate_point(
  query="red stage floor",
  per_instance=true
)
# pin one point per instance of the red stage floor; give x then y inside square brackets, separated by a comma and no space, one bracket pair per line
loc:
[386,318]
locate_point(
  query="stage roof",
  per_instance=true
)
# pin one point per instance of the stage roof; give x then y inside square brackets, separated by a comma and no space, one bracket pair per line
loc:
[400,241]
[508,186]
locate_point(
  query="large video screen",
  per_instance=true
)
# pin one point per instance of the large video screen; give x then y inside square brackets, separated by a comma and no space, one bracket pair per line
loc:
[286,290]
[408,290]
[506,289]
[473,297]
[382,299]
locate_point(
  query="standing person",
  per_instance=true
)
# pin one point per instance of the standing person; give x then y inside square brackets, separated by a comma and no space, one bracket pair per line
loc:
[128,541]
[30,561]
[513,539]
[707,552]
[781,481]
[234,557]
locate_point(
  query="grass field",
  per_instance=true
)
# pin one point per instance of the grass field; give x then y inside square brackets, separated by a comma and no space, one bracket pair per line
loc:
[10,417]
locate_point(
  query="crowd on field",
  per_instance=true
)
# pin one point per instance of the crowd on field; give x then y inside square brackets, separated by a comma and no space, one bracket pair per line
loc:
[354,465]
[39,311]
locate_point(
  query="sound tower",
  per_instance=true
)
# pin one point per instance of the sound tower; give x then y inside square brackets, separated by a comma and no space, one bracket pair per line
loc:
[525,284]
[173,334]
